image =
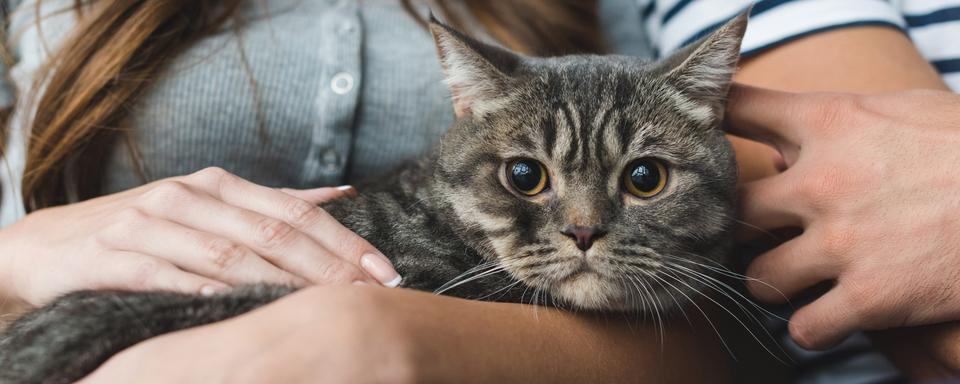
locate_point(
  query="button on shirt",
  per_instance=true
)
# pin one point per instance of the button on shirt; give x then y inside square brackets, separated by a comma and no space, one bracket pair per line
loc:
[305,94]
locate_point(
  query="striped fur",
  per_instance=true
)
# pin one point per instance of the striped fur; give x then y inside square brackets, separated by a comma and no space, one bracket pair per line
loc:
[586,118]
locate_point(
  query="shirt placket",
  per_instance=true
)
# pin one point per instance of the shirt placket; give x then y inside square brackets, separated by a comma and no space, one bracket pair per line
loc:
[339,91]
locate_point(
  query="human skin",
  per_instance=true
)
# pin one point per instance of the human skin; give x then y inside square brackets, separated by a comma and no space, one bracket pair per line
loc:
[867,60]
[377,335]
[878,220]
[199,233]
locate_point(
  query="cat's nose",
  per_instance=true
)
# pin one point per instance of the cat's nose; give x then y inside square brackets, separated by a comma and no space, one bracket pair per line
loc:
[583,235]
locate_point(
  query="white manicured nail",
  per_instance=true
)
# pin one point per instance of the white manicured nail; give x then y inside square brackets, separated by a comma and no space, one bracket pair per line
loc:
[209,290]
[394,283]
[381,269]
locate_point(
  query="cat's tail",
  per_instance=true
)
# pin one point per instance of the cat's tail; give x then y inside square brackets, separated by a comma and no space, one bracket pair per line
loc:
[69,338]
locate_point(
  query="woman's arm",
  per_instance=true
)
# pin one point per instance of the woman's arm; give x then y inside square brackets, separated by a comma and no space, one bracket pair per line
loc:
[349,334]
[856,60]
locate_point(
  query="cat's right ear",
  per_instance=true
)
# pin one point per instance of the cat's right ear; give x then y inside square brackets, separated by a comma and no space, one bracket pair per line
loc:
[478,74]
[703,70]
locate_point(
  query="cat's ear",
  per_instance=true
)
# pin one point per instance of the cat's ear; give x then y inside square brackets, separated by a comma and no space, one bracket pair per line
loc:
[478,74]
[703,71]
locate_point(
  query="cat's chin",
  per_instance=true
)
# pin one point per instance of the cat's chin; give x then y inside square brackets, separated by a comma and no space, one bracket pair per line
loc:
[590,291]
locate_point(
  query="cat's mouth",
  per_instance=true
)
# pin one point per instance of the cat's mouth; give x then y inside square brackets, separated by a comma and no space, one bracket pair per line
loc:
[587,287]
[589,290]
[582,269]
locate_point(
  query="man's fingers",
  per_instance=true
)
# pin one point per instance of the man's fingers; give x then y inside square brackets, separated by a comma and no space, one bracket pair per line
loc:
[319,196]
[826,321]
[768,204]
[764,115]
[138,272]
[789,269]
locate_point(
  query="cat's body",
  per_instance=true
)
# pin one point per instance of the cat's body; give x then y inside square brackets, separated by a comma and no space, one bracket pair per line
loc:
[600,225]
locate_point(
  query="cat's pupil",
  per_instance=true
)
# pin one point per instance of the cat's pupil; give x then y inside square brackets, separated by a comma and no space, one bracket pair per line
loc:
[645,176]
[525,175]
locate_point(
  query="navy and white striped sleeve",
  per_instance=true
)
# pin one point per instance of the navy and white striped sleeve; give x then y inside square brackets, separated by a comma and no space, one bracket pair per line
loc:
[935,29]
[672,24]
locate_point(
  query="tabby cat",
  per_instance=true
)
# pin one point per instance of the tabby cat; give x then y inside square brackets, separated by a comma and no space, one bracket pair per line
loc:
[585,181]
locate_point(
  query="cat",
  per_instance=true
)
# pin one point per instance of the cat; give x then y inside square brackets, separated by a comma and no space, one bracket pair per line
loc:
[593,182]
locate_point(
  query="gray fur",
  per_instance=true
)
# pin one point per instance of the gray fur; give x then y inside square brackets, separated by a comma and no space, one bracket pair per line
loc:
[450,222]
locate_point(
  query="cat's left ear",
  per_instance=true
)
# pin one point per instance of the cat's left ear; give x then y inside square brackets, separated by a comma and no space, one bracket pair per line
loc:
[703,71]
[478,74]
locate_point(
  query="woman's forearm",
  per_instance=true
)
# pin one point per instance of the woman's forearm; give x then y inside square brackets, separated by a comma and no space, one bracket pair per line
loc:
[482,342]
[856,60]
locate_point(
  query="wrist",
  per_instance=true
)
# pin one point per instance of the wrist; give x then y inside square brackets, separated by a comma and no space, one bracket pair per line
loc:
[10,300]
[7,263]
[417,337]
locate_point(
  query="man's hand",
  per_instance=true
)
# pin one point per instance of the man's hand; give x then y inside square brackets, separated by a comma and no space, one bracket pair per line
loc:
[873,182]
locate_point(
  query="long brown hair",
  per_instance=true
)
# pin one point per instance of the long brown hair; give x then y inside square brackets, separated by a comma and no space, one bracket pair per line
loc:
[121,46]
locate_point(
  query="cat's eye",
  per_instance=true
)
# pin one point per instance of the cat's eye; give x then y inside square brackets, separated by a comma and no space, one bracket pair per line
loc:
[645,178]
[527,176]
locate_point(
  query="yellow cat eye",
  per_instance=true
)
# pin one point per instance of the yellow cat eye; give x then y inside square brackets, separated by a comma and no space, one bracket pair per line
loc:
[527,176]
[645,178]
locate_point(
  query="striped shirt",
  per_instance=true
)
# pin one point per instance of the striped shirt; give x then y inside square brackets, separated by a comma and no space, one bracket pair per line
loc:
[933,25]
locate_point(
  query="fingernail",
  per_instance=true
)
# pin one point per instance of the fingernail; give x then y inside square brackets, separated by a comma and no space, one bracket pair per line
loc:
[210,290]
[360,282]
[347,189]
[381,269]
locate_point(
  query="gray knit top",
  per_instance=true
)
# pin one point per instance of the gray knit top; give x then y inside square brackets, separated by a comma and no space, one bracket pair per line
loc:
[333,91]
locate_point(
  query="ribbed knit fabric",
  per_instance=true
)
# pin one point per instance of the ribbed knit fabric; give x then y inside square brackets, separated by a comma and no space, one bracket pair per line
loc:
[343,91]
[332,91]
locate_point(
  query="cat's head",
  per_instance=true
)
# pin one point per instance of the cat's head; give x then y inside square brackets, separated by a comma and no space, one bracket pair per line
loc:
[603,180]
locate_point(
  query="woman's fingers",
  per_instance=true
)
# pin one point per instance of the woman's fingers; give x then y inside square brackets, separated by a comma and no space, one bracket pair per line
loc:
[309,219]
[317,196]
[195,251]
[138,272]
[790,268]
[274,239]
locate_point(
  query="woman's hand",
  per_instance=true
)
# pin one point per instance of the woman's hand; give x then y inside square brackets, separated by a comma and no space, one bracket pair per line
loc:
[317,335]
[198,234]
[873,182]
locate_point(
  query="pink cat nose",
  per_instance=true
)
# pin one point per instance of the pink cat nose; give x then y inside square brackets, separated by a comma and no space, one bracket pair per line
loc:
[584,236]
